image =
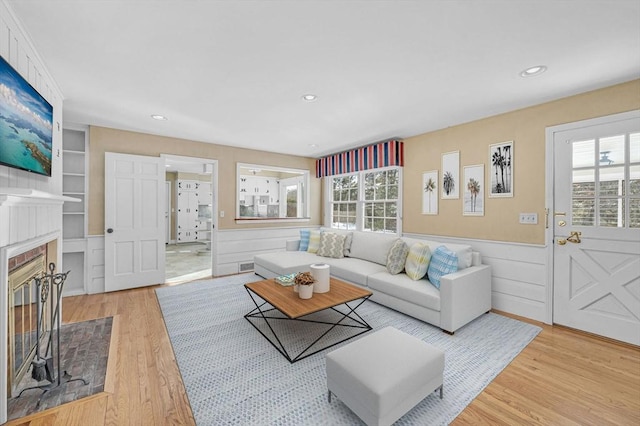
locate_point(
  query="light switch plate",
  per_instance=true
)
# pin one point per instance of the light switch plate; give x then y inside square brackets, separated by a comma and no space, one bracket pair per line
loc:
[529,218]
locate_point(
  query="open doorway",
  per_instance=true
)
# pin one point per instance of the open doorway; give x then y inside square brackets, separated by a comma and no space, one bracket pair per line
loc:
[190,219]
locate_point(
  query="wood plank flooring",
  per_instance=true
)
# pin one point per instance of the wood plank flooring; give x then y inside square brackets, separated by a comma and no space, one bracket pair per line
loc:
[563,377]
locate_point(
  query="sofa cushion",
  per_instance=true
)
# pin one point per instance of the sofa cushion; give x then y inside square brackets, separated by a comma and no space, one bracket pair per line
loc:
[314,241]
[417,261]
[289,262]
[372,246]
[397,257]
[463,251]
[443,262]
[304,239]
[353,270]
[401,286]
[331,245]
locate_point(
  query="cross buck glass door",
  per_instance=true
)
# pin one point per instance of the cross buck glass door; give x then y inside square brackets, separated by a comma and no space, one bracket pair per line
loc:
[596,222]
[134,221]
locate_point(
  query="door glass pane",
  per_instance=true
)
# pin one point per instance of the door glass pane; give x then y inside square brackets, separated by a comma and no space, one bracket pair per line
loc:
[634,180]
[634,152]
[584,153]
[612,212]
[612,150]
[583,212]
[634,213]
[584,184]
[612,181]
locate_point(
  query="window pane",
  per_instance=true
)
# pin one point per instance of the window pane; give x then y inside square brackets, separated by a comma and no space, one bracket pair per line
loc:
[381,193]
[378,209]
[390,225]
[611,212]
[583,153]
[583,212]
[390,209]
[378,224]
[612,150]
[634,139]
[353,194]
[634,180]
[612,181]
[392,193]
[634,213]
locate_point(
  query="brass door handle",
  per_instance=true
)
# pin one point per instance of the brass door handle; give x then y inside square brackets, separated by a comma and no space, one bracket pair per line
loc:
[574,237]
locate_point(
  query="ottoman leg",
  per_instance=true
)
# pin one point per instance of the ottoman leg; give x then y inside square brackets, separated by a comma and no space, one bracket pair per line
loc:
[441,388]
[330,397]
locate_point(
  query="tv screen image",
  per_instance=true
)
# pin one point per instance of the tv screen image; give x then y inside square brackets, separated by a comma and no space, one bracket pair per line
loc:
[26,124]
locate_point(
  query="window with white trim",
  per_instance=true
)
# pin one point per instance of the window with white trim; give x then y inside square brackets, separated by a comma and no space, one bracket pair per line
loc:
[366,201]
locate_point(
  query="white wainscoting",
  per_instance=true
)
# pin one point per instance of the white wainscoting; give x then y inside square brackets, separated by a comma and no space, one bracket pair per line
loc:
[238,246]
[519,273]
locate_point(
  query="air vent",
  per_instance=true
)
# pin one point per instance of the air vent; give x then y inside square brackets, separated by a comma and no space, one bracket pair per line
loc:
[245,267]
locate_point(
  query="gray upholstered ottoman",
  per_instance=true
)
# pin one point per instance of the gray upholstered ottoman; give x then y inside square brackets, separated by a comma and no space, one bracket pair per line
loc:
[385,374]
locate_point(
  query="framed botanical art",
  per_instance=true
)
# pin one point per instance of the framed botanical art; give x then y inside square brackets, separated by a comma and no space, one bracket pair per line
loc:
[501,166]
[451,175]
[430,192]
[473,190]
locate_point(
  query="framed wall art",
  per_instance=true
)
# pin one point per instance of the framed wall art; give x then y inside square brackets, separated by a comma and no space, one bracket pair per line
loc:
[501,169]
[450,175]
[473,190]
[430,192]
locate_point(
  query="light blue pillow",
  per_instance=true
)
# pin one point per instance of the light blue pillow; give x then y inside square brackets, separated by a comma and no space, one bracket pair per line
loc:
[304,239]
[443,262]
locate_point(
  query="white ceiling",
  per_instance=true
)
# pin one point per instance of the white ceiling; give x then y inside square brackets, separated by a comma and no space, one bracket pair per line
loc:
[233,72]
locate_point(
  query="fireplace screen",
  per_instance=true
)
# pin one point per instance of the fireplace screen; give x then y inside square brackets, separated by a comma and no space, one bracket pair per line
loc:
[23,318]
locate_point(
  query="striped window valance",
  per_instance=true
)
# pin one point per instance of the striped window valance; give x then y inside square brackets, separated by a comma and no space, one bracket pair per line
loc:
[374,156]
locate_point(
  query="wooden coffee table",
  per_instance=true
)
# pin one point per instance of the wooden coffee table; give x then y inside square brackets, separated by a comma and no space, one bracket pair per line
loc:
[291,308]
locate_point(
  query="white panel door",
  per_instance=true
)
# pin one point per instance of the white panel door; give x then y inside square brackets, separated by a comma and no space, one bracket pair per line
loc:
[134,221]
[597,229]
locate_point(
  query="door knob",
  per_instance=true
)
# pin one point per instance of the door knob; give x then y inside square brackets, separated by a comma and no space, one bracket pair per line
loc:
[574,237]
[110,230]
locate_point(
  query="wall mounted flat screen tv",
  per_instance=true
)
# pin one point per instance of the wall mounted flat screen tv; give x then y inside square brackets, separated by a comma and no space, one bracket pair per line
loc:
[26,124]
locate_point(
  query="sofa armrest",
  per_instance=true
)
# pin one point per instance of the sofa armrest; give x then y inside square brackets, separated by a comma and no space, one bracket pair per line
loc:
[293,245]
[464,296]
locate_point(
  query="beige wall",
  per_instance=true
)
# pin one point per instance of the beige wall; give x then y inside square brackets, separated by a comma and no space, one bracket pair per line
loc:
[526,128]
[103,140]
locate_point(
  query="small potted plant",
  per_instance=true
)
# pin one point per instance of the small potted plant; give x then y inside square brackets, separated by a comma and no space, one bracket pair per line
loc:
[304,281]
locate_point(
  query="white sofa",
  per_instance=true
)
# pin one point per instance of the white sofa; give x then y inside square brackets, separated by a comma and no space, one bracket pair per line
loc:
[463,295]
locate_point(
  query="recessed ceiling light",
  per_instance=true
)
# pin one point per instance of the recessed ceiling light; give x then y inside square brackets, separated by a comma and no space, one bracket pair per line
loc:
[532,71]
[309,97]
[313,145]
[159,117]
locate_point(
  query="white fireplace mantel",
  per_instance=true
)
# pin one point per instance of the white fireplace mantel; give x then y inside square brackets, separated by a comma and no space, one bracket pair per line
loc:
[27,196]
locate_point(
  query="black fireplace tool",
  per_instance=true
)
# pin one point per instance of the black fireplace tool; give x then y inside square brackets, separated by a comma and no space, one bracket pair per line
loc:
[44,286]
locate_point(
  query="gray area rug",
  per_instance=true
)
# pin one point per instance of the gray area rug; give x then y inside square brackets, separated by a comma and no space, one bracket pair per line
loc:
[233,375]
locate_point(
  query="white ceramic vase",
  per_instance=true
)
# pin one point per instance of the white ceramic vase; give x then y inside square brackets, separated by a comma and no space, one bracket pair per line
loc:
[305,291]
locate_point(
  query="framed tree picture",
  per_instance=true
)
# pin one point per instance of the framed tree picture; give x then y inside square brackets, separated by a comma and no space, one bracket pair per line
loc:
[450,175]
[430,192]
[501,166]
[473,190]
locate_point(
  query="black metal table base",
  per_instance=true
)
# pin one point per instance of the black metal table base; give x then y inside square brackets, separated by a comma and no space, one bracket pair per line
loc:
[265,314]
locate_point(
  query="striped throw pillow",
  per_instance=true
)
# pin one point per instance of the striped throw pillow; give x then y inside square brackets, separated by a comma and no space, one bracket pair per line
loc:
[443,262]
[304,240]
[417,261]
[314,241]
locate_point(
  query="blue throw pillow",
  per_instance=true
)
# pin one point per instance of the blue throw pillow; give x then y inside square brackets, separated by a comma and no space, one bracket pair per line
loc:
[304,239]
[443,262]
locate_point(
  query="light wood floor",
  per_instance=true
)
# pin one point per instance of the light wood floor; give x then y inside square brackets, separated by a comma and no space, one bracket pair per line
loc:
[562,378]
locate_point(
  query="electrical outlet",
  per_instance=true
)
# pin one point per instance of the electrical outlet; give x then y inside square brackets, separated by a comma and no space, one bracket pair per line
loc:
[221,213]
[529,218]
